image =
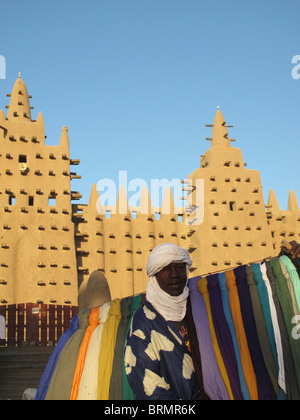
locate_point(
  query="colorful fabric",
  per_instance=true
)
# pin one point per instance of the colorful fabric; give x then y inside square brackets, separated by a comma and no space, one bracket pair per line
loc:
[62,379]
[290,377]
[265,388]
[262,329]
[293,276]
[288,313]
[157,362]
[195,351]
[241,335]
[265,304]
[290,286]
[107,349]
[212,379]
[116,382]
[203,289]
[89,380]
[277,333]
[228,315]
[51,365]
[93,322]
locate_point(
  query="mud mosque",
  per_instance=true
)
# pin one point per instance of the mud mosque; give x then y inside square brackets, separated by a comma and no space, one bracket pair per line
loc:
[50,245]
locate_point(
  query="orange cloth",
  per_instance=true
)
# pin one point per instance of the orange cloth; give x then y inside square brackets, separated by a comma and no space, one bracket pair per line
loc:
[203,289]
[246,360]
[93,323]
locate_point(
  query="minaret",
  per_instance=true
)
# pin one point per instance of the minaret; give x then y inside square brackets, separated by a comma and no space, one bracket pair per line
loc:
[234,230]
[19,103]
[37,248]
[221,153]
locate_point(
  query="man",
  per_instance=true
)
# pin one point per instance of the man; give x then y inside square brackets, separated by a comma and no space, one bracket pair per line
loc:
[158,360]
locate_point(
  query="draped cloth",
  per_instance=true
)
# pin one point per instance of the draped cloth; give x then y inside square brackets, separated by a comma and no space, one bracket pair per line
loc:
[290,377]
[203,289]
[261,329]
[116,382]
[277,333]
[265,388]
[51,365]
[265,305]
[62,379]
[107,349]
[288,313]
[290,285]
[241,335]
[89,379]
[212,379]
[93,323]
[294,276]
[172,308]
[157,361]
[194,350]
[227,312]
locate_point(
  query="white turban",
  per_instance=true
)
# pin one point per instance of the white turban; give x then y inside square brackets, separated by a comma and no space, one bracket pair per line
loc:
[172,308]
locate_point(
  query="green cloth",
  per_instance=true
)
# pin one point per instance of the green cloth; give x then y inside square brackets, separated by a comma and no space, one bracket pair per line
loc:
[128,394]
[265,305]
[288,313]
[261,328]
[62,379]
[116,381]
[293,276]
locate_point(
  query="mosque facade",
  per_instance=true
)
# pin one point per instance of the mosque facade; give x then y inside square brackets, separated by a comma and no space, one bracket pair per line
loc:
[50,245]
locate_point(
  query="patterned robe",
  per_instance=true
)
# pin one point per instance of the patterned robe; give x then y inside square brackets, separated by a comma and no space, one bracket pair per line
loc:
[158,363]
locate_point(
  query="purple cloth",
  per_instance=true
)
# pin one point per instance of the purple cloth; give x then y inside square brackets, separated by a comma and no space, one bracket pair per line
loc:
[264,385]
[48,372]
[224,336]
[213,382]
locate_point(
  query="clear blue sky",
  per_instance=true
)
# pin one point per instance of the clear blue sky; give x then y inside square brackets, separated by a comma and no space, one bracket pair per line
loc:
[135,81]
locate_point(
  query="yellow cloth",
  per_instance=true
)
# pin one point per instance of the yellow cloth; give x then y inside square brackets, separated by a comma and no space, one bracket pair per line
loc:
[246,360]
[107,349]
[89,379]
[93,323]
[202,286]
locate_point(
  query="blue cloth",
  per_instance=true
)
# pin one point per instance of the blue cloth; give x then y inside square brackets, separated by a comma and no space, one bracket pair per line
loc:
[48,372]
[157,361]
[224,336]
[265,388]
[227,312]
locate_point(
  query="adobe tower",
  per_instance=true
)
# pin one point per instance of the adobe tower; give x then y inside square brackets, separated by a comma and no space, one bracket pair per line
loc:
[37,249]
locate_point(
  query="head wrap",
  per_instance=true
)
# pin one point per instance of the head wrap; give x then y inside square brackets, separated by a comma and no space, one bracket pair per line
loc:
[172,308]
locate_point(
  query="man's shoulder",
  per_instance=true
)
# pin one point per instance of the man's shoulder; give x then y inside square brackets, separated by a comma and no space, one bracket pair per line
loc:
[144,315]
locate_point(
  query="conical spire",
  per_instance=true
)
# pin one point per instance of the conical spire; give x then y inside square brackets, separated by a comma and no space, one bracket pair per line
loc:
[272,201]
[19,103]
[168,202]
[64,138]
[145,201]
[94,200]
[293,205]
[122,202]
[220,137]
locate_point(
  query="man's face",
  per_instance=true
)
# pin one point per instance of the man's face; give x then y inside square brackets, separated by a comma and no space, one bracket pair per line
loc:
[172,279]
